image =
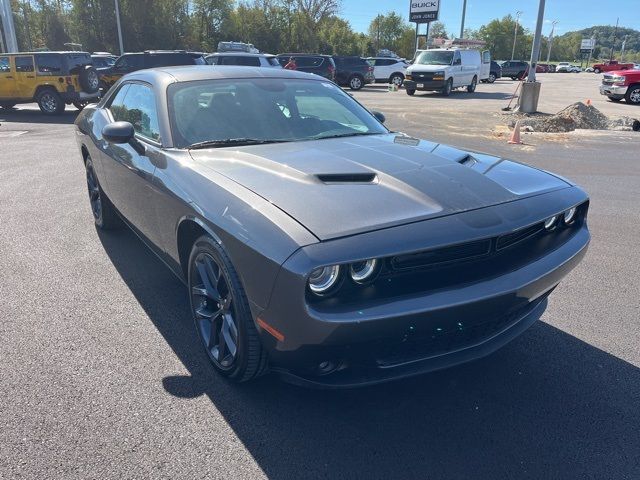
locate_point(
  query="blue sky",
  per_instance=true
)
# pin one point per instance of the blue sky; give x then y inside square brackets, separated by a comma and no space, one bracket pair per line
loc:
[571,14]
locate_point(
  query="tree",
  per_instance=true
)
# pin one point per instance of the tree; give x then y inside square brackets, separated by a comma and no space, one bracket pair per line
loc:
[498,35]
[438,30]
[386,30]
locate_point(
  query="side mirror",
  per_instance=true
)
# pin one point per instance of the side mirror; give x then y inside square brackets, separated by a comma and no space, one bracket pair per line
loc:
[118,132]
[379,115]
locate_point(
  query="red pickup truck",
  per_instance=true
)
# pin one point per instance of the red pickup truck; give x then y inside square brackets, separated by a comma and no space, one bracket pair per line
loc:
[622,84]
[611,66]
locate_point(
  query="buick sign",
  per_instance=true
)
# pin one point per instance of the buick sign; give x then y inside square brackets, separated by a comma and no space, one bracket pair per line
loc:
[422,11]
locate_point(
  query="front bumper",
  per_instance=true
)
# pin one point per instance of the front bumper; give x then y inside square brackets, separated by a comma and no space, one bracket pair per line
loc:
[424,85]
[613,90]
[381,340]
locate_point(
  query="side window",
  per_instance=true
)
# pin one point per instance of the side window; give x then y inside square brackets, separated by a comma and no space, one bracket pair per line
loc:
[49,64]
[4,65]
[129,62]
[24,64]
[456,58]
[117,100]
[138,108]
[213,60]
[486,56]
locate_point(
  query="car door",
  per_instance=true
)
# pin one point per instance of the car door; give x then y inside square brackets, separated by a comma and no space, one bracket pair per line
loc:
[456,70]
[485,67]
[7,79]
[129,168]
[24,76]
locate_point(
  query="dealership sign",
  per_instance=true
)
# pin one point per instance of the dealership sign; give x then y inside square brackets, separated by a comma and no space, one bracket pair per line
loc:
[588,44]
[423,11]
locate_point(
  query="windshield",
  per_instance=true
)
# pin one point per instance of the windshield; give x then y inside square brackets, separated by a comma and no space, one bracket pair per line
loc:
[264,109]
[434,58]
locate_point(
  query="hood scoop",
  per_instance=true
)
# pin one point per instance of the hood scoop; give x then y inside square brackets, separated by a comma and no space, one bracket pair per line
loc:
[348,178]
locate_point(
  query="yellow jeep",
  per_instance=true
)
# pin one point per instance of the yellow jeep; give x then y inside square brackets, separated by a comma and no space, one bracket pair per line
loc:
[52,79]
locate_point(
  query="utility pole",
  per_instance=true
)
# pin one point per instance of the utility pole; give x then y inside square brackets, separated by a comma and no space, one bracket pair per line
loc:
[6,15]
[530,90]
[537,39]
[119,27]
[553,26]
[624,44]
[515,34]
[464,13]
[615,34]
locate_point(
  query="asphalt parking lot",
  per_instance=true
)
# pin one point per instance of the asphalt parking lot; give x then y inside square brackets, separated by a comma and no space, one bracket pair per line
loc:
[101,375]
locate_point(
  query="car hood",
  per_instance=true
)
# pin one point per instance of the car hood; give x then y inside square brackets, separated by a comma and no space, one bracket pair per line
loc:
[426,68]
[339,187]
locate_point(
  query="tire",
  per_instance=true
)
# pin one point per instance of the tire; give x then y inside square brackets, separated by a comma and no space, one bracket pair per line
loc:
[446,91]
[633,94]
[410,92]
[514,78]
[396,79]
[492,78]
[520,75]
[50,102]
[7,105]
[356,82]
[472,87]
[596,70]
[104,213]
[89,79]
[615,99]
[221,313]
[80,105]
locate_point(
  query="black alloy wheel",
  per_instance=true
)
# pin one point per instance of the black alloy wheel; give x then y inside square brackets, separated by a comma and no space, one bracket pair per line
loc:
[104,213]
[221,313]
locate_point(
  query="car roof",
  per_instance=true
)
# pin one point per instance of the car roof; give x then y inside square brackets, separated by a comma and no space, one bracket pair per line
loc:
[303,55]
[191,73]
[241,54]
[60,52]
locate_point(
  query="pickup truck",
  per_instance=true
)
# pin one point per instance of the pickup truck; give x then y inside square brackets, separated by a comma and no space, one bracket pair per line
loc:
[622,84]
[611,66]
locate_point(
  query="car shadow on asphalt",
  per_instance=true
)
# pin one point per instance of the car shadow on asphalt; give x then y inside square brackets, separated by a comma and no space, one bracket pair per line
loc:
[29,115]
[548,405]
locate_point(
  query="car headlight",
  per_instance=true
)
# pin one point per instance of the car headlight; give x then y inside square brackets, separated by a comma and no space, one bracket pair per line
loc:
[322,280]
[618,78]
[365,271]
[570,216]
[550,222]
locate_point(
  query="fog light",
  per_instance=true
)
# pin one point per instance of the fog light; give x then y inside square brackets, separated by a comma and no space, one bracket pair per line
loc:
[570,216]
[362,272]
[550,222]
[323,279]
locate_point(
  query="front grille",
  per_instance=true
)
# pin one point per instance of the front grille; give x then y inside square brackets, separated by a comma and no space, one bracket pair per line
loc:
[512,238]
[456,337]
[455,253]
[427,76]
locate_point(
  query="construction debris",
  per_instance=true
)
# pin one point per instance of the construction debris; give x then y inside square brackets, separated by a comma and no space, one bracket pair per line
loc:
[573,117]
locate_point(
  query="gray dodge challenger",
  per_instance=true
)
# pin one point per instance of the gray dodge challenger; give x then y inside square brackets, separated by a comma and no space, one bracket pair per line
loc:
[314,242]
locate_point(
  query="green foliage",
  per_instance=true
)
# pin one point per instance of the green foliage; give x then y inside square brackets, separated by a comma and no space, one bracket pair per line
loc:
[498,35]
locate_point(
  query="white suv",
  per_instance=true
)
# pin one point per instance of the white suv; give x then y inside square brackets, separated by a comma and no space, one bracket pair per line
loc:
[388,69]
[243,59]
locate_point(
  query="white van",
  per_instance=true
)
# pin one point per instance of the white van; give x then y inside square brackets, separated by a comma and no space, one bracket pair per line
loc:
[445,69]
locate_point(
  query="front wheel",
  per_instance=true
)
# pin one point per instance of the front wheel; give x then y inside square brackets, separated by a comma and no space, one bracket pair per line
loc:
[633,95]
[221,313]
[446,91]
[472,87]
[104,213]
[356,82]
[50,102]
[7,105]
[596,70]
[492,78]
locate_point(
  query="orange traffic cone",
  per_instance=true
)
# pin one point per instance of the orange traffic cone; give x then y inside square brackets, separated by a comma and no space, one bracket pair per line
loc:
[588,102]
[515,136]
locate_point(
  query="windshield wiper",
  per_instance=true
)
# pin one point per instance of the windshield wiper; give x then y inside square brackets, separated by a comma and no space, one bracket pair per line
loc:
[352,134]
[231,141]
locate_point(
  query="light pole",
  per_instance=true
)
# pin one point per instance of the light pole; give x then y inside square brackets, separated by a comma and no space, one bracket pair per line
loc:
[119,27]
[624,44]
[515,34]
[464,12]
[553,26]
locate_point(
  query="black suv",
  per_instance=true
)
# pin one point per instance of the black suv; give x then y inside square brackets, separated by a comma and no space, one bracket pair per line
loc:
[353,72]
[495,72]
[130,62]
[322,65]
[516,69]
